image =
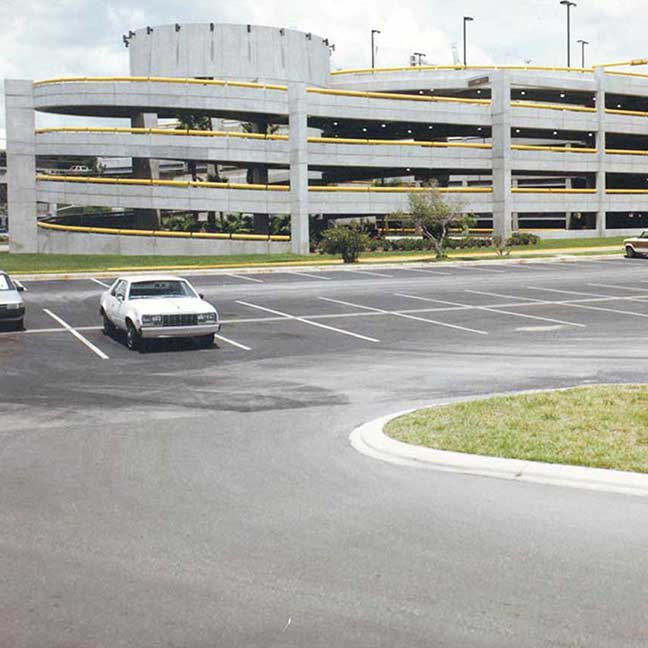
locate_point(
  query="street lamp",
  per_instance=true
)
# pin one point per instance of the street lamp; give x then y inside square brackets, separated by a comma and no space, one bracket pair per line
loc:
[420,57]
[569,5]
[466,19]
[582,44]
[373,47]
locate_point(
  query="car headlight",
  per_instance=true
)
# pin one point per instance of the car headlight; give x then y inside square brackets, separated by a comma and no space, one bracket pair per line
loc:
[14,306]
[207,318]
[151,320]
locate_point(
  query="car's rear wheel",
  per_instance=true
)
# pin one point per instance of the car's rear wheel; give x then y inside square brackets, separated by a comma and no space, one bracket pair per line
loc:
[133,338]
[630,253]
[206,341]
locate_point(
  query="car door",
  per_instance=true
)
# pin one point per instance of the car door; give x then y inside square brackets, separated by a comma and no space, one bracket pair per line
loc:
[115,304]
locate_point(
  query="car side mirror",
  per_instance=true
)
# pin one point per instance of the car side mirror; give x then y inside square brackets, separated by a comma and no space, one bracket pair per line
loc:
[120,298]
[201,296]
[20,288]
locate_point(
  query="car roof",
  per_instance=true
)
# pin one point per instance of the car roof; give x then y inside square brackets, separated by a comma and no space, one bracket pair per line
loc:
[150,277]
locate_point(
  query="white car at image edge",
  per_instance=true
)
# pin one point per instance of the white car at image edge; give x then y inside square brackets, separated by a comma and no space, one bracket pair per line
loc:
[157,306]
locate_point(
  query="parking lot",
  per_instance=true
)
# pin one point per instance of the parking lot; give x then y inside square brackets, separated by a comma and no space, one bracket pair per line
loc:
[176,496]
[292,313]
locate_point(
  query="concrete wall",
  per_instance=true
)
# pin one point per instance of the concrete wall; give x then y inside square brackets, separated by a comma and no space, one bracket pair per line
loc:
[58,242]
[240,52]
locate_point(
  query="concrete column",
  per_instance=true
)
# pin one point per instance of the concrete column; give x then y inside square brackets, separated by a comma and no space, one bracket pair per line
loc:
[501,153]
[149,170]
[601,196]
[21,165]
[298,143]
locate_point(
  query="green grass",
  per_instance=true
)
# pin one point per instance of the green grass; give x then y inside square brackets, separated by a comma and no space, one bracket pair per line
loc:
[35,263]
[601,427]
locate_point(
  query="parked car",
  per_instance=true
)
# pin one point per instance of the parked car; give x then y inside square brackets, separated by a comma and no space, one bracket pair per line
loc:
[636,246]
[12,306]
[78,169]
[157,306]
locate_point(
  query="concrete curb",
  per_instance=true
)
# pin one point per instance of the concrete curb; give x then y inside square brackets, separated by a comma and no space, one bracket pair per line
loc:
[106,274]
[370,440]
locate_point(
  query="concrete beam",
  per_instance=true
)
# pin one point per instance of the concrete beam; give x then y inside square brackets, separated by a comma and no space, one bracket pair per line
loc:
[501,154]
[298,142]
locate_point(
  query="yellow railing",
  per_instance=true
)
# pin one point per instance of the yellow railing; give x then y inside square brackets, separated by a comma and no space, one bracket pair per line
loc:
[545,106]
[373,189]
[163,233]
[394,95]
[379,142]
[626,191]
[551,190]
[142,79]
[556,149]
[160,131]
[626,152]
[631,113]
[441,68]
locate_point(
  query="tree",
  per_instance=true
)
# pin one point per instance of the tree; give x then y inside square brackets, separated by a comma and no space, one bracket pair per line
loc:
[347,241]
[193,121]
[434,217]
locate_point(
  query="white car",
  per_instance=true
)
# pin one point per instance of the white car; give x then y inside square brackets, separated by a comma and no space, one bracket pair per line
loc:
[12,306]
[157,306]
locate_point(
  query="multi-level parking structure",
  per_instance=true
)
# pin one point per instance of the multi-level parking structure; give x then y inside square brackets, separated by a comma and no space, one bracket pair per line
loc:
[562,150]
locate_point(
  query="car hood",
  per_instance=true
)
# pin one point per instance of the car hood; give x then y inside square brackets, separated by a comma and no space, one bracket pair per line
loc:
[171,306]
[10,297]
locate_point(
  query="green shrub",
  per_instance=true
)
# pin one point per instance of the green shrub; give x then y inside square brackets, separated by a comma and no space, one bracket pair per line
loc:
[523,238]
[347,241]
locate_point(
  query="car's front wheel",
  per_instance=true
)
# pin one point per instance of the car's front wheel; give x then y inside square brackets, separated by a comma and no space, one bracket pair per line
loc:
[206,341]
[108,326]
[20,325]
[133,338]
[630,253]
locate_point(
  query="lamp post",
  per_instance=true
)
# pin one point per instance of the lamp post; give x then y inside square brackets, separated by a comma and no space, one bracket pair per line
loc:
[373,47]
[582,44]
[466,19]
[569,5]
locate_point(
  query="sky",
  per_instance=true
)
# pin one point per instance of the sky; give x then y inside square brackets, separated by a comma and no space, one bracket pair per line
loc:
[50,38]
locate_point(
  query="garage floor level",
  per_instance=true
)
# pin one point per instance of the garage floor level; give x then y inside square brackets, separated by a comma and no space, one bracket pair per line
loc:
[200,498]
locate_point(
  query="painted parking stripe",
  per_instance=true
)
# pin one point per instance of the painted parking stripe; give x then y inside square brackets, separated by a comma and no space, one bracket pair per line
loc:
[101,283]
[589,307]
[477,268]
[308,321]
[232,342]
[492,309]
[426,271]
[306,274]
[369,272]
[618,287]
[405,316]
[76,334]
[242,276]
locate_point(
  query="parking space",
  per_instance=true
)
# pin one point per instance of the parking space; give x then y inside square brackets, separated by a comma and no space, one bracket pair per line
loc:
[342,310]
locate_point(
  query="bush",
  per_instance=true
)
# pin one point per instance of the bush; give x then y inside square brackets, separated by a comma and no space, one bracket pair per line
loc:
[347,241]
[523,238]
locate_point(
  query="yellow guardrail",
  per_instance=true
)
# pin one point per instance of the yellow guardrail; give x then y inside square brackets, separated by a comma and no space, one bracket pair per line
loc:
[641,61]
[628,74]
[544,106]
[163,233]
[347,140]
[551,190]
[153,79]
[631,113]
[626,152]
[626,191]
[372,189]
[557,149]
[442,68]
[394,95]
[160,131]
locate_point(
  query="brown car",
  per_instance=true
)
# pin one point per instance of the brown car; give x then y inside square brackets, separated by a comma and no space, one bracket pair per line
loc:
[636,246]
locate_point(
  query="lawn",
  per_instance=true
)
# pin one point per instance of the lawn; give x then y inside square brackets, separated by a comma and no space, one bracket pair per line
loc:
[600,427]
[43,263]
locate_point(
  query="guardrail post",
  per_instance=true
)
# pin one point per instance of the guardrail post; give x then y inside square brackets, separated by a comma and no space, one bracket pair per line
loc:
[146,169]
[21,165]
[601,184]
[298,144]
[501,152]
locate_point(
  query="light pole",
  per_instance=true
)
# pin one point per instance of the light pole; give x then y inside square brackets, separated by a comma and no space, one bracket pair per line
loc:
[582,44]
[569,5]
[420,57]
[373,47]
[466,19]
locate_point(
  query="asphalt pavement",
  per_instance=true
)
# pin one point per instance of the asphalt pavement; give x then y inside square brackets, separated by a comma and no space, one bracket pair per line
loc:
[197,498]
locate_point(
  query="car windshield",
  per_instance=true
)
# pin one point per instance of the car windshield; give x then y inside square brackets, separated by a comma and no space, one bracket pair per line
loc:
[165,288]
[5,282]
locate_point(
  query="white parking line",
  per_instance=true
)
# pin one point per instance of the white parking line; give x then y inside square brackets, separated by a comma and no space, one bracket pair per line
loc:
[242,276]
[232,342]
[307,274]
[405,316]
[476,267]
[603,285]
[426,271]
[368,272]
[308,321]
[588,307]
[76,334]
[101,283]
[491,309]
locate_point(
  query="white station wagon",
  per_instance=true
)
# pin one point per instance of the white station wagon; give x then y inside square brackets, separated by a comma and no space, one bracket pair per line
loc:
[157,306]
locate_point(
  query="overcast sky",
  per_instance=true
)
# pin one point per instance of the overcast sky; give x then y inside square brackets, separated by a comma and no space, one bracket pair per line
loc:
[46,38]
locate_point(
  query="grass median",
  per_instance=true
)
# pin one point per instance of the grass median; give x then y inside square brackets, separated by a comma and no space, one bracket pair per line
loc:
[70,263]
[599,427]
